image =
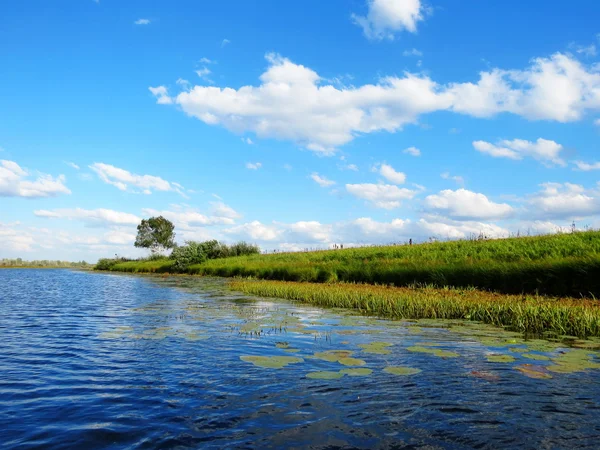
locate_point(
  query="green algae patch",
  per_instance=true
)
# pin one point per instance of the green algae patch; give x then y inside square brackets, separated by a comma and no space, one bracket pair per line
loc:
[352,362]
[324,375]
[501,358]
[401,370]
[271,362]
[518,350]
[535,372]
[378,348]
[358,372]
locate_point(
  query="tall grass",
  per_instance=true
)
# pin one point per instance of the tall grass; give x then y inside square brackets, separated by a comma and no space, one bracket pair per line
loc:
[530,314]
[560,265]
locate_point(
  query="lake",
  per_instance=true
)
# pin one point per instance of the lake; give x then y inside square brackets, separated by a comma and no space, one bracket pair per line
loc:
[90,360]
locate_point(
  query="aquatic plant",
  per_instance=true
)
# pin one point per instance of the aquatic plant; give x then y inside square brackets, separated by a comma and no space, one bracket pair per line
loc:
[521,313]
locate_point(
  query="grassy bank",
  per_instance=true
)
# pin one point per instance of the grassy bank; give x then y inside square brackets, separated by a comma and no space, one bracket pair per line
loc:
[560,265]
[529,314]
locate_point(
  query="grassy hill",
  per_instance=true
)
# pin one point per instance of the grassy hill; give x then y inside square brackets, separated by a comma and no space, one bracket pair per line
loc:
[561,265]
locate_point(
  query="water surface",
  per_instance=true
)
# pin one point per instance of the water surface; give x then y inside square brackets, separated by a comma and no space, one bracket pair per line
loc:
[115,361]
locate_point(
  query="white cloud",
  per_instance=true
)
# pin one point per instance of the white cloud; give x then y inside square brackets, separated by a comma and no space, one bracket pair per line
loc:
[294,103]
[220,209]
[287,167]
[253,166]
[14,183]
[388,172]
[352,167]
[585,167]
[94,217]
[15,238]
[597,122]
[321,180]
[189,218]
[412,52]
[457,178]
[142,22]
[466,205]
[204,73]
[206,61]
[248,141]
[585,50]
[72,164]
[124,180]
[255,231]
[413,151]
[384,196]
[386,17]
[564,201]
[543,150]
[162,94]
[225,42]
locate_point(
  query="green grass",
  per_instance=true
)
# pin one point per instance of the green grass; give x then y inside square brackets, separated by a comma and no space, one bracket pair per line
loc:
[528,314]
[560,265]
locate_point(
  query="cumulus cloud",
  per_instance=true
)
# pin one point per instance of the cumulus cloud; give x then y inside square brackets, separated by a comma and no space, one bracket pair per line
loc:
[412,151]
[384,196]
[466,205]
[586,167]
[543,150]
[321,180]
[94,217]
[125,180]
[253,166]
[390,174]
[294,103]
[385,18]
[220,209]
[189,218]
[254,231]
[564,201]
[16,182]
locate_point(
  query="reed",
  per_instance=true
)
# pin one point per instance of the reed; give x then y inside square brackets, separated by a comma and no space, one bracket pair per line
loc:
[524,313]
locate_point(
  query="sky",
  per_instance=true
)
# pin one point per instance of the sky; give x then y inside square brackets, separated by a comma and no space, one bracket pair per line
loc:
[295,125]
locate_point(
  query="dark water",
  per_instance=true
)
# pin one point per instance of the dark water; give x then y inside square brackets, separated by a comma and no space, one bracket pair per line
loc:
[114,361]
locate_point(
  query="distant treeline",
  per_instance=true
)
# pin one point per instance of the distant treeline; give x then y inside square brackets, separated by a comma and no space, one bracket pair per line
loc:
[19,262]
[183,256]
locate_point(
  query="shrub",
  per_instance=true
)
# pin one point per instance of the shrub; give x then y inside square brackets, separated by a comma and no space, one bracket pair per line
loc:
[186,255]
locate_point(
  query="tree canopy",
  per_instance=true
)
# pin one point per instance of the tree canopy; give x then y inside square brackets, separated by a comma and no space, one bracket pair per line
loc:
[155,233]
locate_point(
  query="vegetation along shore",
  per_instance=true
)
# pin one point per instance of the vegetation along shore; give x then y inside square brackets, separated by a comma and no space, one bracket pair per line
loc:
[530,284]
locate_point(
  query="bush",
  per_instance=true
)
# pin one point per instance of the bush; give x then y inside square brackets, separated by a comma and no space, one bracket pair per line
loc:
[186,255]
[108,263]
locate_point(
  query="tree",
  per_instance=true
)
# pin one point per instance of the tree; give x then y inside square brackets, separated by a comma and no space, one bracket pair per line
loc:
[156,233]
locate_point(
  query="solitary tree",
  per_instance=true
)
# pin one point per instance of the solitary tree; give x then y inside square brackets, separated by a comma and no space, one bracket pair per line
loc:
[156,233]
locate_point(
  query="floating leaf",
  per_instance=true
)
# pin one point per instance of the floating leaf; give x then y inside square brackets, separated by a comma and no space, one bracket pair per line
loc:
[379,348]
[400,370]
[351,362]
[446,354]
[501,358]
[324,375]
[518,350]
[282,345]
[333,355]
[537,372]
[292,350]
[271,362]
[360,372]
[420,349]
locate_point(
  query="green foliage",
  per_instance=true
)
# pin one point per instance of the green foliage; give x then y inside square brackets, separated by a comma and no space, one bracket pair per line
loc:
[155,233]
[188,254]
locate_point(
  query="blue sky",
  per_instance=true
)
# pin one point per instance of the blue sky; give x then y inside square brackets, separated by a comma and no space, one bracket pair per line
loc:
[295,124]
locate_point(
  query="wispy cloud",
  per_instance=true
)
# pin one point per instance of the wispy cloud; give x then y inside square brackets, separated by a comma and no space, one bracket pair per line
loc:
[253,166]
[321,180]
[142,22]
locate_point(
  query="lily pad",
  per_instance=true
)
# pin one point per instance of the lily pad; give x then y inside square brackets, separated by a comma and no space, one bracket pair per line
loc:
[360,372]
[282,345]
[518,350]
[333,355]
[536,372]
[324,375]
[501,358]
[401,370]
[292,350]
[271,362]
[379,348]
